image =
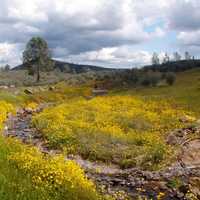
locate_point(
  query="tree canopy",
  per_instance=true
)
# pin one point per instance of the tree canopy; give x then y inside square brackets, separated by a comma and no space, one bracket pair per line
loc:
[37,56]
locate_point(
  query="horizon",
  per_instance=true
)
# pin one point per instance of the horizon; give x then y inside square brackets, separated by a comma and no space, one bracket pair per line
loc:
[114,34]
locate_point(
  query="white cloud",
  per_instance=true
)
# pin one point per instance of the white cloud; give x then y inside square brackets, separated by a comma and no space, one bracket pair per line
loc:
[9,53]
[123,56]
[190,38]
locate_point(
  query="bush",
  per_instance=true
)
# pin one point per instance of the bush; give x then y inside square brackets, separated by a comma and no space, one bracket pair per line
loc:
[170,78]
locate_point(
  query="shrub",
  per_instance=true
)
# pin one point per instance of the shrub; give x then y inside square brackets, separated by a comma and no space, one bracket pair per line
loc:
[170,78]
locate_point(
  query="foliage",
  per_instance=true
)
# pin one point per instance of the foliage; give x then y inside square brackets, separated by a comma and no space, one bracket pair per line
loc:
[5,108]
[101,127]
[37,56]
[170,78]
[59,178]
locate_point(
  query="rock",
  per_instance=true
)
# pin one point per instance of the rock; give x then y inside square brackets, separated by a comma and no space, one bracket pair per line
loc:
[28,91]
[51,88]
[172,139]
[3,87]
[180,195]
[98,92]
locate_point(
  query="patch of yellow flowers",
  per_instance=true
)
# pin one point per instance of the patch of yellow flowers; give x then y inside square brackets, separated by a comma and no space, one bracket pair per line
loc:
[131,119]
[55,175]
[116,116]
[5,108]
[31,105]
[60,178]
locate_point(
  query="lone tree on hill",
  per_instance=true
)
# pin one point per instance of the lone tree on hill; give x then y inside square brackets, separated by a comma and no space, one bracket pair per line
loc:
[37,57]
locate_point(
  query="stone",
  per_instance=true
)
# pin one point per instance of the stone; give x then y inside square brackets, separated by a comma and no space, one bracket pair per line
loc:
[28,91]
[172,139]
[51,88]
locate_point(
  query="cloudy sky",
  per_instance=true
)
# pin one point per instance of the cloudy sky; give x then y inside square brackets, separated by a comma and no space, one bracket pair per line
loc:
[112,33]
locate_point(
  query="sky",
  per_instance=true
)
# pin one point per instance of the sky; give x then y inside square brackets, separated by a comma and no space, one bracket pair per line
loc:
[109,33]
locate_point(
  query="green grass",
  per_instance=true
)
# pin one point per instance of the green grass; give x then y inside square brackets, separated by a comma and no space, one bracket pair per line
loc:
[185,92]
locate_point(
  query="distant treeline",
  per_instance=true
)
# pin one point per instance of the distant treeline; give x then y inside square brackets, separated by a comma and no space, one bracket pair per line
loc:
[152,75]
[174,66]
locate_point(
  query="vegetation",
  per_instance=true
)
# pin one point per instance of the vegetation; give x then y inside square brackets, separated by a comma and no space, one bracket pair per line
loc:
[170,78]
[27,174]
[98,128]
[37,56]
[127,127]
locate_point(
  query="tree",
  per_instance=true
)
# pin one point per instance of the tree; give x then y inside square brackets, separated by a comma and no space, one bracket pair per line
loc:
[170,78]
[177,56]
[166,58]
[155,59]
[187,56]
[37,56]
[6,68]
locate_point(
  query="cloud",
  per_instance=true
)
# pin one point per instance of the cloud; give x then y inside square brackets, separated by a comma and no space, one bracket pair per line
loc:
[184,15]
[77,27]
[79,30]
[122,56]
[190,38]
[9,53]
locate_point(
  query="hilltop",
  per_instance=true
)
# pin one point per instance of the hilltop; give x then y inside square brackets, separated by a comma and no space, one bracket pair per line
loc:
[70,67]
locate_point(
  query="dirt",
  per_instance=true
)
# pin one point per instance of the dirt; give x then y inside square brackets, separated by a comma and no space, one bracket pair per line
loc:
[110,177]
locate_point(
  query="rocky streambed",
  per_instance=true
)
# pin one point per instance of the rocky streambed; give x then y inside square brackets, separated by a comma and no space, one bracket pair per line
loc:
[180,181]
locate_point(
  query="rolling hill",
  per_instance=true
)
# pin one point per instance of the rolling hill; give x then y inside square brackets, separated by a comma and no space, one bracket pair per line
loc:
[70,67]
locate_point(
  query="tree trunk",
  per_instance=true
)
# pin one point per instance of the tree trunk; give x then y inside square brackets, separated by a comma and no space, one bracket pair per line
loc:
[38,71]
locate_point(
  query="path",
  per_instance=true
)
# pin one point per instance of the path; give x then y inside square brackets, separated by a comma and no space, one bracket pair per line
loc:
[111,176]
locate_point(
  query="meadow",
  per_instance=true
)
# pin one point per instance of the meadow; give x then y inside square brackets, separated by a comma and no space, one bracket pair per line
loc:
[127,127]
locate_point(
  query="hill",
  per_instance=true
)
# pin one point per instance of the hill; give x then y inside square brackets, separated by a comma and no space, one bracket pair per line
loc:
[174,66]
[70,67]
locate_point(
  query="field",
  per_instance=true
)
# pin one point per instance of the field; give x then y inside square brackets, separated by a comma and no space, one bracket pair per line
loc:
[127,127]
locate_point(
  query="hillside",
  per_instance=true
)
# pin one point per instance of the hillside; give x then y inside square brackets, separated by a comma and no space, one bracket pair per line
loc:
[174,66]
[70,67]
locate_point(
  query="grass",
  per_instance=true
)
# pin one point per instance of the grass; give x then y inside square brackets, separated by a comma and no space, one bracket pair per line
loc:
[123,126]
[185,92]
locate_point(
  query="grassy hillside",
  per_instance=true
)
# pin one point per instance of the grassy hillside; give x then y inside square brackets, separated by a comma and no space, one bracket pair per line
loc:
[185,92]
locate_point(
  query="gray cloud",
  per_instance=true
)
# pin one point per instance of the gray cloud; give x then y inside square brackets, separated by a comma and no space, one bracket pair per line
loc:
[184,15]
[78,29]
